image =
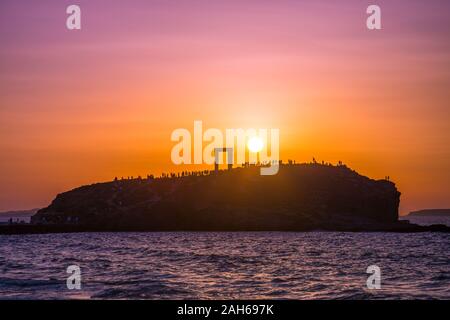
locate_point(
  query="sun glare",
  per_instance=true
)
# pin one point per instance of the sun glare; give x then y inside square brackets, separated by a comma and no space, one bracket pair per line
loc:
[255,144]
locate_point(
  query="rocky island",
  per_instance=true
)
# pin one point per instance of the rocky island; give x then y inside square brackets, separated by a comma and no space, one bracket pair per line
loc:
[301,197]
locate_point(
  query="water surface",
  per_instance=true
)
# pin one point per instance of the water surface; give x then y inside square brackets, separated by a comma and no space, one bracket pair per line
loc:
[229,265]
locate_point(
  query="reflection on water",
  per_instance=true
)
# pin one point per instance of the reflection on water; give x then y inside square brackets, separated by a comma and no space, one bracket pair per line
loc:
[244,265]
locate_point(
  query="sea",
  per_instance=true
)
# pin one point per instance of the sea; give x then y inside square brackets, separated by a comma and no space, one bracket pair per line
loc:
[227,265]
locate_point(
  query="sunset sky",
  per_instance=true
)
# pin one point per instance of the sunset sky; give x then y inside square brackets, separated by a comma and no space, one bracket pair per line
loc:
[84,106]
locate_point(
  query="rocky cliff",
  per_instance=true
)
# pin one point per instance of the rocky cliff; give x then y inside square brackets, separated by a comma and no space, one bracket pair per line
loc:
[299,197]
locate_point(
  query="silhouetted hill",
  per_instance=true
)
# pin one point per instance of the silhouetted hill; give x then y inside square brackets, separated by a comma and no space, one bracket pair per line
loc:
[299,197]
[431,212]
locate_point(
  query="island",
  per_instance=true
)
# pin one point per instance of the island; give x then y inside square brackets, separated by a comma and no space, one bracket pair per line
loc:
[301,197]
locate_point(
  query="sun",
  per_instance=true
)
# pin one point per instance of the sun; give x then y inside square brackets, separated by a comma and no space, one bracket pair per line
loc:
[255,144]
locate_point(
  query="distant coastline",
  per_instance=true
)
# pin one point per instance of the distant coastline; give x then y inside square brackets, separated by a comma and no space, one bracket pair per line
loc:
[430,213]
[17,216]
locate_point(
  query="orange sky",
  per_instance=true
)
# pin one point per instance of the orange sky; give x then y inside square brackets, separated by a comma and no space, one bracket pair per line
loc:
[84,106]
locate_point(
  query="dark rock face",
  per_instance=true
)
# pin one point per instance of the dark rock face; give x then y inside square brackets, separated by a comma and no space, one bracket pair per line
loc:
[299,197]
